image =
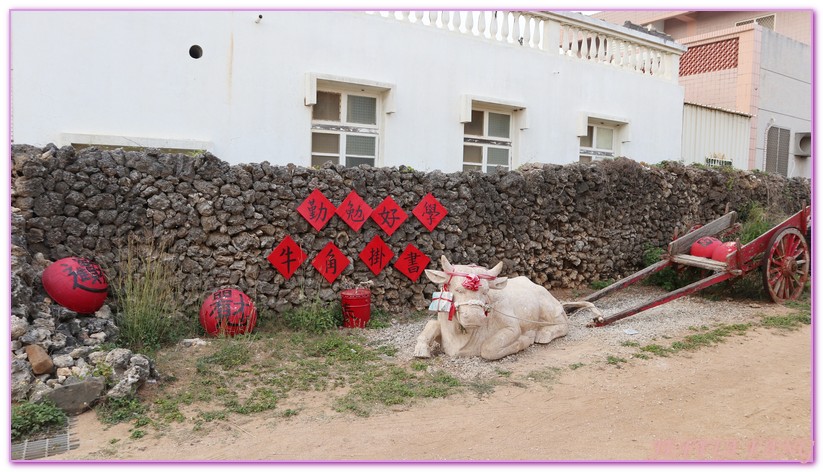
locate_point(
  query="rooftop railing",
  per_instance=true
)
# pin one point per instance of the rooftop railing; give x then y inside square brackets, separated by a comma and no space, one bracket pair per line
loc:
[569,35]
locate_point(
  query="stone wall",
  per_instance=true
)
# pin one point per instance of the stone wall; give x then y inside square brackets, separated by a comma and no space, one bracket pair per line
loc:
[562,226]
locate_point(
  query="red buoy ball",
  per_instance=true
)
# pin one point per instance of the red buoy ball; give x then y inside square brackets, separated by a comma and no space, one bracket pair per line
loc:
[76,283]
[704,247]
[722,251]
[228,311]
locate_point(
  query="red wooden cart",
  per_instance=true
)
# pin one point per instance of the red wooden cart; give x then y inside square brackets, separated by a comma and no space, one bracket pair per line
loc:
[782,252]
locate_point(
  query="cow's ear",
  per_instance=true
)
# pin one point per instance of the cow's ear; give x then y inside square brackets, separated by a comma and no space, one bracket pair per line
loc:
[498,283]
[495,271]
[445,264]
[437,276]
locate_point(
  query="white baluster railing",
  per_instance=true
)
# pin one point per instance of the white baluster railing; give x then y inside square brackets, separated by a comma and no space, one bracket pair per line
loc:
[574,36]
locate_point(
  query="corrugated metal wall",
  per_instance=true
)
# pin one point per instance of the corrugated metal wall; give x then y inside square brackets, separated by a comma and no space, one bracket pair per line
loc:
[708,131]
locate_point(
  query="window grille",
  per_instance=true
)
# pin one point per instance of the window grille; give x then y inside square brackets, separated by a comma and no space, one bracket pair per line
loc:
[764,21]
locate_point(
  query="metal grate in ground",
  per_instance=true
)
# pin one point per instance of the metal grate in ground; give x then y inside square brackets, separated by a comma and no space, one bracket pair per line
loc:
[45,448]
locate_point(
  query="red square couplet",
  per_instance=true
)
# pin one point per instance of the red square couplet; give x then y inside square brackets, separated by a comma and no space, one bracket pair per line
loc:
[412,262]
[388,215]
[316,209]
[430,212]
[354,211]
[330,262]
[287,257]
[376,255]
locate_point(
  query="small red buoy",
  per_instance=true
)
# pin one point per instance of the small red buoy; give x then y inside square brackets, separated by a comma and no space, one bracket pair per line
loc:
[704,247]
[228,311]
[720,252]
[77,284]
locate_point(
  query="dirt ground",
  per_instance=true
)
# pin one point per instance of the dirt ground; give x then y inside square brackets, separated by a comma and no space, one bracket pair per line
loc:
[747,399]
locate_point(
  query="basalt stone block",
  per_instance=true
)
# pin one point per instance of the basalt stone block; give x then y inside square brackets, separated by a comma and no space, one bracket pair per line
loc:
[41,362]
[77,397]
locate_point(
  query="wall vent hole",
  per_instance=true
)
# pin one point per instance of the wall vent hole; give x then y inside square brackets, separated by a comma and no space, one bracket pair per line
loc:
[196,52]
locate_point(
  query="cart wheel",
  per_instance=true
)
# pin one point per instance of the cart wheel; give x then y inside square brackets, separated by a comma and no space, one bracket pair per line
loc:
[786,266]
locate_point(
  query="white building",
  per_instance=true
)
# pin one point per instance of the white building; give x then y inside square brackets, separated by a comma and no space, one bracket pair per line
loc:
[431,90]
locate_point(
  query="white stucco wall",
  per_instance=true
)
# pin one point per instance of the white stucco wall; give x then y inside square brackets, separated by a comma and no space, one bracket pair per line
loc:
[785,95]
[130,74]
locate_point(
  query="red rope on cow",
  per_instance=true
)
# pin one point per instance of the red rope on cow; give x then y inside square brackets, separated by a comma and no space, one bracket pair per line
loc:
[452,309]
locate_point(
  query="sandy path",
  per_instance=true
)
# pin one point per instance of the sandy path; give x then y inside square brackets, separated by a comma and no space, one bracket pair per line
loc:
[746,399]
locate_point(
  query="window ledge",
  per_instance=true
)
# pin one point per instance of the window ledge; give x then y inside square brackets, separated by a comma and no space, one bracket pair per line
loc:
[132,141]
[467,102]
[336,81]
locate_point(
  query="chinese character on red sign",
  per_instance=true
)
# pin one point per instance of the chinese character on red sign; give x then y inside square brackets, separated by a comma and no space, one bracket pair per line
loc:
[377,255]
[330,262]
[429,211]
[354,211]
[412,262]
[388,215]
[316,209]
[287,257]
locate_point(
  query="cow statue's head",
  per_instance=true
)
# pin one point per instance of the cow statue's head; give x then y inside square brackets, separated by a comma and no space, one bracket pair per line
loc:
[470,286]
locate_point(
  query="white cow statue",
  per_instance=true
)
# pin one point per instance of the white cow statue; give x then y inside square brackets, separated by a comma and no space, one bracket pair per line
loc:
[490,316]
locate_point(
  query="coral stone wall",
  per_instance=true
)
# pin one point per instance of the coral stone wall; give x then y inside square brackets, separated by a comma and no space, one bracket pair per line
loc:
[561,226]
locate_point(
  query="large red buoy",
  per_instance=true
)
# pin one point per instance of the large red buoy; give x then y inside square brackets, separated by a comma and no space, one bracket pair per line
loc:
[722,251]
[77,284]
[228,311]
[704,247]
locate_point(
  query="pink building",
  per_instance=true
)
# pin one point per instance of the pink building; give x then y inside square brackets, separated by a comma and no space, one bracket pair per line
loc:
[756,63]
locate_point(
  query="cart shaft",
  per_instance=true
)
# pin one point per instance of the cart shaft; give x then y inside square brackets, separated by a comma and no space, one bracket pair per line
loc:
[688,289]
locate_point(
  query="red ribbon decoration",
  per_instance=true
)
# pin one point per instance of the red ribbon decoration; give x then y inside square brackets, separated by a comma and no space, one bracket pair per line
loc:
[472,283]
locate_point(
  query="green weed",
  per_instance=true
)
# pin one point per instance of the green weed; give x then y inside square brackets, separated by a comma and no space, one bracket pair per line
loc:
[115,410]
[481,388]
[656,349]
[545,376]
[419,366]
[601,284]
[315,317]
[232,354]
[576,365]
[28,420]
[379,319]
[614,360]
[392,385]
[147,296]
[503,373]
[788,322]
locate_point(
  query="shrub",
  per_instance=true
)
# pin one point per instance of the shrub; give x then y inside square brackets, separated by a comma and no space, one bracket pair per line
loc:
[30,419]
[755,221]
[315,317]
[147,294]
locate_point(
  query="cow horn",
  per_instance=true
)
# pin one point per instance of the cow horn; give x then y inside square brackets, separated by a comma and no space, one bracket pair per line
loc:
[495,271]
[447,267]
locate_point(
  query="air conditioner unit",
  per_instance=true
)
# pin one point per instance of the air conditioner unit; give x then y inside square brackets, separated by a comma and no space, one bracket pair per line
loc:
[802,144]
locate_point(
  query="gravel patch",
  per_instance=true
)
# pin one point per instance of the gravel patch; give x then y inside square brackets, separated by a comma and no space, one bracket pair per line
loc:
[670,320]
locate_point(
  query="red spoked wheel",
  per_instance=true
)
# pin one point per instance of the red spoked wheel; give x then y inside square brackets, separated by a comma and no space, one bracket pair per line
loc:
[786,265]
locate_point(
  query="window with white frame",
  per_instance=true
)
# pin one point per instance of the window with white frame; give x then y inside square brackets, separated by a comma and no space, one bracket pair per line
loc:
[345,128]
[599,142]
[487,141]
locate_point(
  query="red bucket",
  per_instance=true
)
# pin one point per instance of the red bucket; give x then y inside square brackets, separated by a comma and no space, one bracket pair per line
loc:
[356,307]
